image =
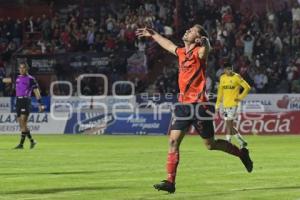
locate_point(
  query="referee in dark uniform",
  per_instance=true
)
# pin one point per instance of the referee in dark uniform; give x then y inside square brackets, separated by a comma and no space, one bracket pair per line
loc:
[25,84]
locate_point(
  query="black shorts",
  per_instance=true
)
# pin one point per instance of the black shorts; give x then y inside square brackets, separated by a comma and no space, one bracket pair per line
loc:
[23,106]
[196,115]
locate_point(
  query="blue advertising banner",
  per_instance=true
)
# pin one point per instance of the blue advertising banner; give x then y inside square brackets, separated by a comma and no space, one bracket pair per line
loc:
[34,104]
[141,124]
[119,123]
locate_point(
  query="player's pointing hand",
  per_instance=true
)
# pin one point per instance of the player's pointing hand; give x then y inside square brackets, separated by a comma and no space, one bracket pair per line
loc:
[144,32]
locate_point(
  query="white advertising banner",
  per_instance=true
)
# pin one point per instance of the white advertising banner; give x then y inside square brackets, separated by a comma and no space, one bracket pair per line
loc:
[5,104]
[37,123]
[271,103]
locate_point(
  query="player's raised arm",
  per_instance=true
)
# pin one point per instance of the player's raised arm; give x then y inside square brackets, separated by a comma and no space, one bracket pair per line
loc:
[246,89]
[162,41]
[205,48]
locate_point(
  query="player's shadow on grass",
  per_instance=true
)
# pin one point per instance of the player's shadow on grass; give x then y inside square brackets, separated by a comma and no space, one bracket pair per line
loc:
[55,173]
[58,190]
[48,173]
[215,194]
[75,172]
[270,188]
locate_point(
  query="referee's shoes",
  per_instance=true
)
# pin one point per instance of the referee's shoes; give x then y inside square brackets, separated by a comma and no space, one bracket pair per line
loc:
[32,144]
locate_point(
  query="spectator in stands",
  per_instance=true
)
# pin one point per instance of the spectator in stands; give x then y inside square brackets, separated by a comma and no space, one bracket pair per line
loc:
[17,32]
[2,75]
[110,44]
[140,45]
[90,37]
[110,23]
[291,72]
[277,44]
[283,87]
[260,81]
[10,49]
[65,38]
[248,40]
[30,25]
[46,28]
[42,45]
[295,88]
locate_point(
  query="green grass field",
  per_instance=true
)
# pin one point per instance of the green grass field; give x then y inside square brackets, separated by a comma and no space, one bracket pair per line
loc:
[78,167]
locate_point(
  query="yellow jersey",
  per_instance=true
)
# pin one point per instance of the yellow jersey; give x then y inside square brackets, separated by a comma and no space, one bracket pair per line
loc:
[229,90]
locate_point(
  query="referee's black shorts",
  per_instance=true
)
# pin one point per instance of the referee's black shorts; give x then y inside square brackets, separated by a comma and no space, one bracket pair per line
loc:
[200,116]
[23,106]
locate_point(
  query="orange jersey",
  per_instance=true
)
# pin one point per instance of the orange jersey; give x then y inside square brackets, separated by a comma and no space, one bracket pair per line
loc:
[191,79]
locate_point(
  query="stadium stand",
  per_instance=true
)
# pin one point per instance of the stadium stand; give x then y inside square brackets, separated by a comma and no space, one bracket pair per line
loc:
[62,39]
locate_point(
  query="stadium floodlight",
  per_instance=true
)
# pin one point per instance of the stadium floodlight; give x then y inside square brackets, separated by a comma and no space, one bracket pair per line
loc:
[82,76]
[62,83]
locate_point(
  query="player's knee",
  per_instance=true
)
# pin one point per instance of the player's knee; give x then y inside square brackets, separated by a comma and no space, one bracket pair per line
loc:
[173,143]
[228,132]
[23,127]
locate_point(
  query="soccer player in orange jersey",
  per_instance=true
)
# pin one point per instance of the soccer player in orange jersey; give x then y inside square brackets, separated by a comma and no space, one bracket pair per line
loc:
[191,110]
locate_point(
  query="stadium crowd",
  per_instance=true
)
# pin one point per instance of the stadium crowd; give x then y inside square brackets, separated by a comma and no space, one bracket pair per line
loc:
[263,47]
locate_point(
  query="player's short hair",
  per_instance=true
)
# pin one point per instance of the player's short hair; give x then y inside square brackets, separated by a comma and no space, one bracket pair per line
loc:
[201,30]
[228,65]
[24,64]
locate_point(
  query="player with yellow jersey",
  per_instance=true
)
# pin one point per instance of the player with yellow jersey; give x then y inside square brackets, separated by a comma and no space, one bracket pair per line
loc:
[229,95]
